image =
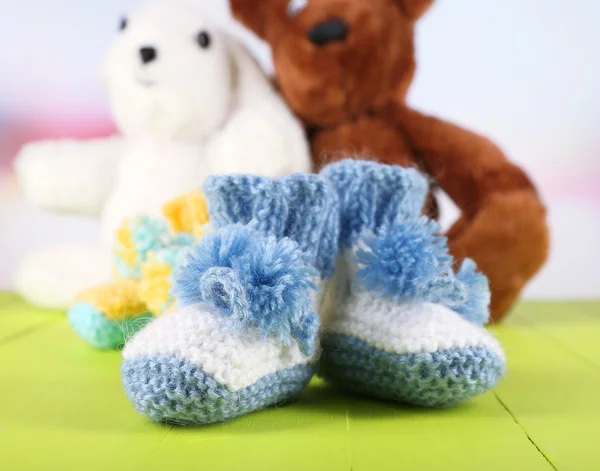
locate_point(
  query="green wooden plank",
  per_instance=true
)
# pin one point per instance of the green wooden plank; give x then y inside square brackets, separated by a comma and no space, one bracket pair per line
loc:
[581,340]
[60,383]
[8,299]
[32,449]
[547,313]
[591,307]
[309,434]
[571,325]
[289,451]
[17,319]
[327,430]
[588,305]
[476,436]
[553,395]
[64,400]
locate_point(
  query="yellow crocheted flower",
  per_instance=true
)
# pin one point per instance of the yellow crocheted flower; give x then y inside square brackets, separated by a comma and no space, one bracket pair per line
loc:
[188,218]
[125,248]
[187,213]
[155,285]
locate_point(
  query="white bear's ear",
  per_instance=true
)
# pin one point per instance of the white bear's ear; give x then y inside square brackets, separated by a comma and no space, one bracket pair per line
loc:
[248,80]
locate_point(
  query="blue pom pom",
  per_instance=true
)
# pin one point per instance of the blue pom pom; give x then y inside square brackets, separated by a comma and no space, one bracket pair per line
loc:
[257,281]
[476,307]
[412,261]
[404,261]
[466,292]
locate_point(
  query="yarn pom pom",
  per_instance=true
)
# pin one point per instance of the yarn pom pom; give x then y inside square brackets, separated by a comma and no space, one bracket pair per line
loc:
[404,261]
[257,281]
[412,261]
[466,292]
[476,308]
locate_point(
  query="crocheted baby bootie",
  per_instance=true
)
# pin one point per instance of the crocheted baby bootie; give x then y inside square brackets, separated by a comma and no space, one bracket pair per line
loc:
[243,336]
[105,316]
[402,325]
[147,255]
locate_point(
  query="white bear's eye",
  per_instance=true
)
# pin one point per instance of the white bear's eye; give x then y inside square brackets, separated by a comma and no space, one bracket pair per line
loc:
[203,39]
[123,23]
[296,6]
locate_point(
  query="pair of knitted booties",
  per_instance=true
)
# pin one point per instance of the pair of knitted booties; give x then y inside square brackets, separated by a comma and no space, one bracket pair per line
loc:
[336,273]
[147,254]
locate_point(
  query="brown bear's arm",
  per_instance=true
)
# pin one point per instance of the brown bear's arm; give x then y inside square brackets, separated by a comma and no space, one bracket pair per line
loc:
[503,223]
[365,138]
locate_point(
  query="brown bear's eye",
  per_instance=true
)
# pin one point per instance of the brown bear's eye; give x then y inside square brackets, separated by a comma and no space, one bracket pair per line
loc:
[203,39]
[123,24]
[295,7]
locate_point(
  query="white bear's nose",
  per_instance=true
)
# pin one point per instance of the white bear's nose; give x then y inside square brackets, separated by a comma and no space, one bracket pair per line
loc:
[148,54]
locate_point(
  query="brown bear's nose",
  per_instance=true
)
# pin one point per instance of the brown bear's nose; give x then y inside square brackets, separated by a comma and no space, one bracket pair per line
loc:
[328,31]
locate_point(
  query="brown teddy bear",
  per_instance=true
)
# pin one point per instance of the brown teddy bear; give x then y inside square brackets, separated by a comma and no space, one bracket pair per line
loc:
[345,67]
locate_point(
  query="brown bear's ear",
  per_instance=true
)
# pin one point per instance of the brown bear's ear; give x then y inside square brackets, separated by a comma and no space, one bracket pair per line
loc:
[251,13]
[413,9]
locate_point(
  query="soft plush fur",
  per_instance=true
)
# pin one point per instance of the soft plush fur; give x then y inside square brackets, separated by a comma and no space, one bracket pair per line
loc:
[345,67]
[189,102]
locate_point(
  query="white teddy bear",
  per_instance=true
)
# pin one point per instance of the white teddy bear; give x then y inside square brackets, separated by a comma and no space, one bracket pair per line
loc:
[189,102]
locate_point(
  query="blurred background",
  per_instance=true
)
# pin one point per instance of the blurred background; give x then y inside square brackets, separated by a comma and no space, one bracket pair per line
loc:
[524,72]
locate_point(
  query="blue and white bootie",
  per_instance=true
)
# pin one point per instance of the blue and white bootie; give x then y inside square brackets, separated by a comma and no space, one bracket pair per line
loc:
[244,336]
[399,324]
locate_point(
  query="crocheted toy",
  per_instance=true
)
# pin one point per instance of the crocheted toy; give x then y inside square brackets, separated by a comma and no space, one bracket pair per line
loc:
[345,68]
[147,256]
[255,301]
[189,102]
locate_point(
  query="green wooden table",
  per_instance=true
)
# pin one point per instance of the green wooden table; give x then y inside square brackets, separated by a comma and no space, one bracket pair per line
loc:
[62,407]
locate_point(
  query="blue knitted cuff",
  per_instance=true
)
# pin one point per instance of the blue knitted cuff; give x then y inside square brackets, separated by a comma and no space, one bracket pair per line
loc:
[374,196]
[302,207]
